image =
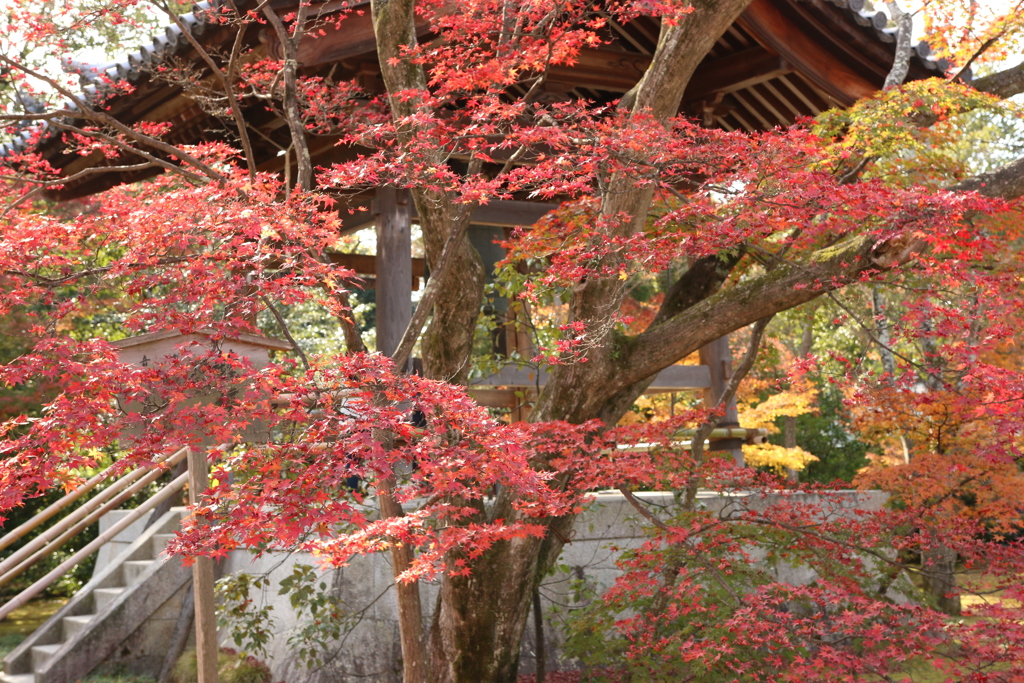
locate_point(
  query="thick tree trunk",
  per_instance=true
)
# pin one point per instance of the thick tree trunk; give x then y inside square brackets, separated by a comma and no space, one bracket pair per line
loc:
[479,620]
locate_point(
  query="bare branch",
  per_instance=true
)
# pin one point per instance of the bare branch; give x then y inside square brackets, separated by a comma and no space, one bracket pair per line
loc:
[96,170]
[225,79]
[88,113]
[286,332]
[61,281]
[304,176]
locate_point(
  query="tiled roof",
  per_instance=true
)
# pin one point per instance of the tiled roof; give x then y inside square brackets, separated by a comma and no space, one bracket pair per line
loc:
[95,79]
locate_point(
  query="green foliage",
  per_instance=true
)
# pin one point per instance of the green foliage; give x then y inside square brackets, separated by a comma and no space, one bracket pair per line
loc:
[322,617]
[104,678]
[69,584]
[825,434]
[8,642]
[906,134]
[232,667]
[249,625]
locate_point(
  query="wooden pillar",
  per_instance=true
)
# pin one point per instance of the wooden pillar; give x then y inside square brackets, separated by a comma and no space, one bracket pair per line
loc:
[394,266]
[718,358]
[202,581]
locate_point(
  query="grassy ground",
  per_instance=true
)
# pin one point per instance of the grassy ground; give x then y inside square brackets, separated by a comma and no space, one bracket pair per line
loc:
[978,590]
[30,617]
[21,622]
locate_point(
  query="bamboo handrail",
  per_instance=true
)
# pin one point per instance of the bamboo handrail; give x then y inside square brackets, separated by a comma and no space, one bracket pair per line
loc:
[75,515]
[52,509]
[39,586]
[74,523]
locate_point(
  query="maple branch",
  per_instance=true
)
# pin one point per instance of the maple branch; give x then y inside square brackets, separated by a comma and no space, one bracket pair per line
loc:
[166,165]
[1004,84]
[1007,182]
[285,331]
[676,566]
[784,287]
[642,509]
[985,46]
[353,340]
[86,112]
[704,277]
[304,175]
[882,340]
[44,185]
[410,611]
[430,293]
[808,530]
[58,282]
[225,79]
[42,116]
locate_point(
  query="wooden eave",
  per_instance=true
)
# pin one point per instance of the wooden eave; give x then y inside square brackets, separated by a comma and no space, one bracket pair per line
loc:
[780,61]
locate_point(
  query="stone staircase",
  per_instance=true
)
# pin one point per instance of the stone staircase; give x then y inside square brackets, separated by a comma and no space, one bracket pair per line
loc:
[123,618]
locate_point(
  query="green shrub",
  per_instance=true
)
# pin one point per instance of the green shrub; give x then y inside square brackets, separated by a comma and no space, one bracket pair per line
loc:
[232,666]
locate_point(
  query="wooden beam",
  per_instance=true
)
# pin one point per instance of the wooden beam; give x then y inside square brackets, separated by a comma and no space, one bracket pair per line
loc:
[735,72]
[717,357]
[772,29]
[494,398]
[671,379]
[366,264]
[498,212]
[611,70]
[351,38]
[619,71]
[511,212]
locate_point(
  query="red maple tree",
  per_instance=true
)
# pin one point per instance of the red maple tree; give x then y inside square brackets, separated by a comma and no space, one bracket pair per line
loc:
[763,222]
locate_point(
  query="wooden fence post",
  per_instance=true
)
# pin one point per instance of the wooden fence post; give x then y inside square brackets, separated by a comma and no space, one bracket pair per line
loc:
[202,581]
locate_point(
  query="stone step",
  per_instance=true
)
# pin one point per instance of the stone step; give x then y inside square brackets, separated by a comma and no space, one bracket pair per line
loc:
[17,678]
[133,569]
[159,543]
[104,596]
[41,655]
[75,625]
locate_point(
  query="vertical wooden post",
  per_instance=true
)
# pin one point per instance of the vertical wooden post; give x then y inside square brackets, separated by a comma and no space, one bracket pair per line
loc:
[394,311]
[394,267]
[718,358]
[202,581]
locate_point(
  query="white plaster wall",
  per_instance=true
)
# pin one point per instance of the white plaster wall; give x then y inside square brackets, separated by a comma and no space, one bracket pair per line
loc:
[371,652]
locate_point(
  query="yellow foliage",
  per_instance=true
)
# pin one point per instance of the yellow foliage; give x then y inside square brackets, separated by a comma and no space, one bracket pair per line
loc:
[786,404]
[778,458]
